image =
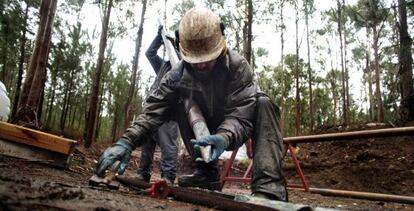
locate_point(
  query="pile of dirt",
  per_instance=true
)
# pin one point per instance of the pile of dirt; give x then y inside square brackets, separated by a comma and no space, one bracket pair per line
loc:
[383,165]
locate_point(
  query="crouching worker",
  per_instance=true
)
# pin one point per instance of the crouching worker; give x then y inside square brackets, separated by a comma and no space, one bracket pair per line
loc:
[220,81]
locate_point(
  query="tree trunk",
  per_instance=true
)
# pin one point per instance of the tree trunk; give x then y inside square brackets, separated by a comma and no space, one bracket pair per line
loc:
[36,74]
[115,122]
[42,97]
[247,48]
[21,64]
[405,72]
[133,87]
[52,92]
[99,116]
[282,84]
[91,120]
[333,83]
[66,102]
[344,100]
[5,48]
[380,108]
[308,65]
[346,68]
[73,116]
[50,107]
[333,89]
[298,109]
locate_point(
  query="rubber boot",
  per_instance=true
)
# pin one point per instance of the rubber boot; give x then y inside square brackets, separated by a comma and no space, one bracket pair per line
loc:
[144,176]
[206,176]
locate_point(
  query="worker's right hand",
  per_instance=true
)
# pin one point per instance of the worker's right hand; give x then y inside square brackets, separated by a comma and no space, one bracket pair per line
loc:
[121,151]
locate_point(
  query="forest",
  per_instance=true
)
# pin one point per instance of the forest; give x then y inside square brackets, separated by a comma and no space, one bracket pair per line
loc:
[342,63]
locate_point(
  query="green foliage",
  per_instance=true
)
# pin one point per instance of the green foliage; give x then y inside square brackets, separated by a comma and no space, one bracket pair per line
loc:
[368,13]
[179,11]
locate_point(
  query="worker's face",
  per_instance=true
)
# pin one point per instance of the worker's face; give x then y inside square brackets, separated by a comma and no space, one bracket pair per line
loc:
[204,66]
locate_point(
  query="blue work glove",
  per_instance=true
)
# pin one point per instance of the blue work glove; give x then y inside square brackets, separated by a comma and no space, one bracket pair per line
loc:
[121,151]
[218,144]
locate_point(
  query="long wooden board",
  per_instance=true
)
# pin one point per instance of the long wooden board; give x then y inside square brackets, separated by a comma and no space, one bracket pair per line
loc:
[34,154]
[378,133]
[36,138]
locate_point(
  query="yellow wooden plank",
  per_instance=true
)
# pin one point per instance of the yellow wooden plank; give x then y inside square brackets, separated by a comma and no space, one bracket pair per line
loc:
[36,138]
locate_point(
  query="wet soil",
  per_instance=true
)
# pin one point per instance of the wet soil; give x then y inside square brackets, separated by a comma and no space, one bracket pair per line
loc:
[375,165]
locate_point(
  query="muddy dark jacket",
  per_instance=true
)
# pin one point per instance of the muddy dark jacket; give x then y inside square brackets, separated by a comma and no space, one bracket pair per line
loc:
[226,97]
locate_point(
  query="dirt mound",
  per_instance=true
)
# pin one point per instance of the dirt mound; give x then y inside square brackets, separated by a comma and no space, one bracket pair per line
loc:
[384,165]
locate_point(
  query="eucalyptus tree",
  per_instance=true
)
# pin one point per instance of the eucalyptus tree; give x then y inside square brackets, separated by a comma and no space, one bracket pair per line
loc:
[347,37]
[330,64]
[57,59]
[276,9]
[11,22]
[72,67]
[91,120]
[324,112]
[117,90]
[298,108]
[371,14]
[282,28]
[333,77]
[339,19]
[295,66]
[247,31]
[23,28]
[102,99]
[135,63]
[308,10]
[30,100]
[405,72]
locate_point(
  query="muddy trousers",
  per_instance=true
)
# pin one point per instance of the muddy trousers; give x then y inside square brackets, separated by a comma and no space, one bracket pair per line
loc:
[268,147]
[166,138]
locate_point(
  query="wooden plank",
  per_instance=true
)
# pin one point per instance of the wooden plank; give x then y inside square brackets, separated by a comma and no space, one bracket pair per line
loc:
[364,195]
[36,138]
[34,154]
[379,133]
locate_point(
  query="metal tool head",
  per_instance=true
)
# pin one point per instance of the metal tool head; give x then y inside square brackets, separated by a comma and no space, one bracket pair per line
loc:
[109,179]
[97,181]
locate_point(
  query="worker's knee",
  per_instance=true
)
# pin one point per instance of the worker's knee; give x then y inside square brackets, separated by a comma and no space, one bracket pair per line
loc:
[264,101]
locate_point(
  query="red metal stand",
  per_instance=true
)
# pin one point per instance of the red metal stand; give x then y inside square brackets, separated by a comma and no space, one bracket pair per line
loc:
[247,175]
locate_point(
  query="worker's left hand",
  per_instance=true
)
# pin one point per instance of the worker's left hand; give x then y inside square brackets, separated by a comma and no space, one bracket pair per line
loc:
[120,151]
[218,144]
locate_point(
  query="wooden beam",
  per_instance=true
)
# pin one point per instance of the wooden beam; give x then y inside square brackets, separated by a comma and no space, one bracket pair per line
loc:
[364,195]
[379,133]
[34,154]
[214,199]
[36,138]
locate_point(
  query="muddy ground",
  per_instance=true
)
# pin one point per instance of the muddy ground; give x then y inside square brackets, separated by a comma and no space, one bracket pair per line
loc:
[376,165]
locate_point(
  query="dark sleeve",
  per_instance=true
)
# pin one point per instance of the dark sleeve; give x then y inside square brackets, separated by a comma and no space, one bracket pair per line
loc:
[240,106]
[152,56]
[155,108]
